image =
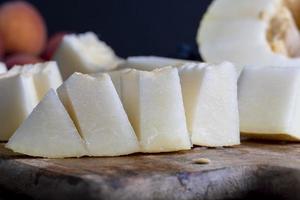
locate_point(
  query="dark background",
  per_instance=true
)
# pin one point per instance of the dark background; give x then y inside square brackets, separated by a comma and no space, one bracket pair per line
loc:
[131,27]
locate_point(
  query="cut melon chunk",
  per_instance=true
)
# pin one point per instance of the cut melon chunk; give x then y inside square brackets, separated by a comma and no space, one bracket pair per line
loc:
[21,88]
[84,53]
[154,105]
[48,132]
[97,111]
[18,98]
[269,103]
[3,68]
[210,100]
[46,76]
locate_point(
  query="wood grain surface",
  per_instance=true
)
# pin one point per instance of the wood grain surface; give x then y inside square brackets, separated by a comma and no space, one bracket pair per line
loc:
[253,169]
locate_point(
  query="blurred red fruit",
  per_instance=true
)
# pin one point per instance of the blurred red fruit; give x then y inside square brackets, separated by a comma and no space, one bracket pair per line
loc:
[21,59]
[2,50]
[22,28]
[53,44]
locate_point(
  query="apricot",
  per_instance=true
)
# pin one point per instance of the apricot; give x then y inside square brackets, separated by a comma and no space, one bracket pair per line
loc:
[21,59]
[22,28]
[53,44]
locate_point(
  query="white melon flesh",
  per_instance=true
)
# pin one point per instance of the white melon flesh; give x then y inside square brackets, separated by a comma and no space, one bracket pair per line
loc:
[84,53]
[269,103]
[154,105]
[48,132]
[97,111]
[256,32]
[115,77]
[3,68]
[210,100]
[22,87]
[18,98]
[46,76]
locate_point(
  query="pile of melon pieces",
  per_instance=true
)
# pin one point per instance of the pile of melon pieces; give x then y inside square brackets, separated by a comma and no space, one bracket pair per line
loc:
[147,104]
[164,110]
[128,111]
[112,107]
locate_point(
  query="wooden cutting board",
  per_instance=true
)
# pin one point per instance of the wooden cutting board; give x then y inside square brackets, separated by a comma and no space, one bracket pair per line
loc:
[247,171]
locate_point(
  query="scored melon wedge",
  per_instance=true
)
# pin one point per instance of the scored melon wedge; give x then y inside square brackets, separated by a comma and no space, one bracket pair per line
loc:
[153,102]
[18,98]
[211,105]
[48,132]
[21,88]
[97,111]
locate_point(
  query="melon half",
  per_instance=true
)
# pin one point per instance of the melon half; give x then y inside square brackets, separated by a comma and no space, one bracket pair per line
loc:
[256,32]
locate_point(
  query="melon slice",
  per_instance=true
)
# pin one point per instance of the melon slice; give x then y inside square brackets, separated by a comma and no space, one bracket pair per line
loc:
[256,32]
[46,76]
[22,87]
[210,100]
[97,111]
[84,53]
[154,105]
[18,98]
[269,103]
[48,132]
